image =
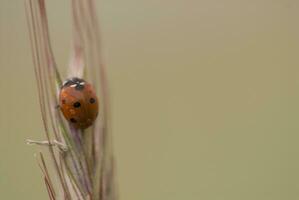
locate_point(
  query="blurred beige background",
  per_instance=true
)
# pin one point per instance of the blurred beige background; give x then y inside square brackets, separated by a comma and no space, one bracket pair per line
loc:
[204,95]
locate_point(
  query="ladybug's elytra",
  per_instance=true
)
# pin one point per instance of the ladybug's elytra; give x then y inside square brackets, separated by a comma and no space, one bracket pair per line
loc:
[78,103]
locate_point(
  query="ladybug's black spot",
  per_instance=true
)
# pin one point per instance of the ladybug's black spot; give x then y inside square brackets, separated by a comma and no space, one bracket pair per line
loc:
[63,101]
[92,100]
[73,120]
[77,104]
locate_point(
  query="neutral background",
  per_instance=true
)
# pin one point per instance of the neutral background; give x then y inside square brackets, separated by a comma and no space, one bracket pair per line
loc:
[204,98]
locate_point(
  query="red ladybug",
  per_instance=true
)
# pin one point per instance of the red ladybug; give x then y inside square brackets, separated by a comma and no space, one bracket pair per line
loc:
[78,102]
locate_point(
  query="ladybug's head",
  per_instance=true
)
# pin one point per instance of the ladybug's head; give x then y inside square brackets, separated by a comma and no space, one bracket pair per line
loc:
[74,82]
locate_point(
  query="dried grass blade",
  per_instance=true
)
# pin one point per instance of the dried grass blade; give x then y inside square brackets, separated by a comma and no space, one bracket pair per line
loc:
[103,164]
[44,169]
[49,189]
[37,42]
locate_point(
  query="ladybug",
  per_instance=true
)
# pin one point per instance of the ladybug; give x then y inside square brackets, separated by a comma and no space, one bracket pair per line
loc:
[78,102]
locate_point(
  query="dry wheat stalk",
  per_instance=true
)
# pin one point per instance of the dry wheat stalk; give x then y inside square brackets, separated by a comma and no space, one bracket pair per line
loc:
[82,160]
